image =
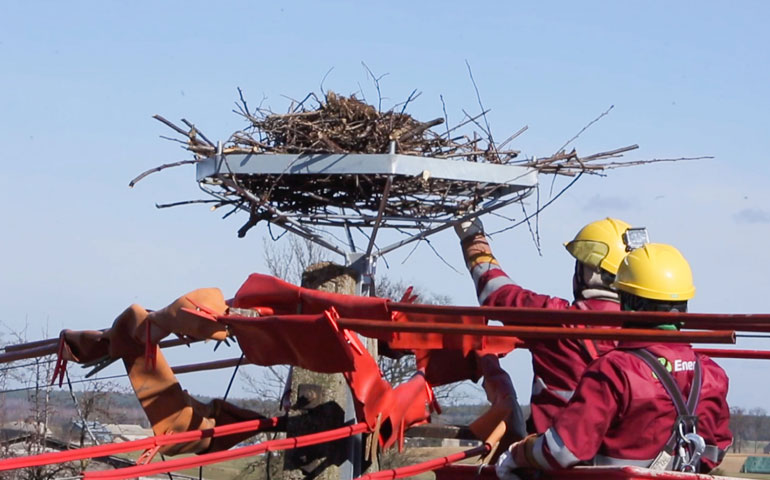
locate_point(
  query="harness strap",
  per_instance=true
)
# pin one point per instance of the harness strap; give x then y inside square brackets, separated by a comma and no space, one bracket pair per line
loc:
[670,384]
[588,345]
[683,409]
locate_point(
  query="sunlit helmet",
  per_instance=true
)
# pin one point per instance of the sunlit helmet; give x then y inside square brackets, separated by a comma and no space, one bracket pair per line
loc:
[656,272]
[600,244]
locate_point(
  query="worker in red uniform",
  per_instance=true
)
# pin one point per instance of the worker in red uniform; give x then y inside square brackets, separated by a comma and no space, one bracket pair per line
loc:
[558,364]
[660,406]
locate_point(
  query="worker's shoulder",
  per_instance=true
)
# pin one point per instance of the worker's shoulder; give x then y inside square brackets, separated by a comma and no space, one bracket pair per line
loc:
[616,360]
[711,368]
[616,356]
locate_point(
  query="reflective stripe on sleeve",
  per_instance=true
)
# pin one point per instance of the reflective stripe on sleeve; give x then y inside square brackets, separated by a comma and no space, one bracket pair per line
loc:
[492,285]
[713,453]
[603,460]
[480,269]
[539,386]
[558,450]
[537,452]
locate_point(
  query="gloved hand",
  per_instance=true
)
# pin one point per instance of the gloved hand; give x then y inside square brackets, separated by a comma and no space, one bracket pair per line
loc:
[505,467]
[468,228]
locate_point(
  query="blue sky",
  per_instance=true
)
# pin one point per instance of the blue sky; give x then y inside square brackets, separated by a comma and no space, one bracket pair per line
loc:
[79,82]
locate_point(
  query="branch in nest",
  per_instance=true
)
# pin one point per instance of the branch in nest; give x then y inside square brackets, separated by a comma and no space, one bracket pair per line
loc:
[170,125]
[159,168]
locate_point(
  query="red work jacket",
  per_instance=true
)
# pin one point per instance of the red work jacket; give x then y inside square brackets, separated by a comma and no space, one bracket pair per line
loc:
[621,413]
[557,364]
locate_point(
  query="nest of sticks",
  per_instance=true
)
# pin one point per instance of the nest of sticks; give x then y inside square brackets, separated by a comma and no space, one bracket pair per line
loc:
[338,124]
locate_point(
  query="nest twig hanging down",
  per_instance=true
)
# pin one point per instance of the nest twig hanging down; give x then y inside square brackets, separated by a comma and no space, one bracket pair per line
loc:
[335,124]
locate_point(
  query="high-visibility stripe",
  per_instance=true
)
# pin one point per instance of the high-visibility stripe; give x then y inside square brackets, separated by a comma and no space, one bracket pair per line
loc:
[713,453]
[480,259]
[480,270]
[603,460]
[558,449]
[539,386]
[537,452]
[492,285]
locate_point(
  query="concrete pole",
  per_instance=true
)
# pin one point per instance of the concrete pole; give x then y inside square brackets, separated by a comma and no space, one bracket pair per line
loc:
[323,401]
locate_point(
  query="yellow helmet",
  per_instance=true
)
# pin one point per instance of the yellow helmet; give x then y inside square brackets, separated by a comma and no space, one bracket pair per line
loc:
[600,244]
[656,272]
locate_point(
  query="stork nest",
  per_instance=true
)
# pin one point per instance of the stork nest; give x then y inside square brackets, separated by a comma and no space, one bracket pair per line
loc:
[334,124]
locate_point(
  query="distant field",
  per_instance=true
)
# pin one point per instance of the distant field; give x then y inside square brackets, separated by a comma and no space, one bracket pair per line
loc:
[731,466]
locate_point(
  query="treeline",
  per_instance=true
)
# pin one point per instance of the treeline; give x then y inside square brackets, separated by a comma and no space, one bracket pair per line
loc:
[750,427]
[100,406]
[751,430]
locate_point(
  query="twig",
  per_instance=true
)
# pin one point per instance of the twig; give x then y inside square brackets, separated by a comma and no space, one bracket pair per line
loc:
[427,241]
[170,125]
[184,202]
[192,127]
[481,106]
[159,168]
[324,79]
[513,137]
[376,81]
[610,153]
[463,123]
[545,205]
[634,163]
[529,226]
[183,142]
[412,97]
[446,117]
[585,128]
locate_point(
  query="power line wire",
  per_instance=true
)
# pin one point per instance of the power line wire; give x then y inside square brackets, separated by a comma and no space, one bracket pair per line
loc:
[86,380]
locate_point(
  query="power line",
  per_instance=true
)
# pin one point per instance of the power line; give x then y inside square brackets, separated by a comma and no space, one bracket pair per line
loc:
[31,364]
[85,380]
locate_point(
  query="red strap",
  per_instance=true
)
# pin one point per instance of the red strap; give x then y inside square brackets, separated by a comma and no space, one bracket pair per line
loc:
[147,456]
[61,363]
[588,344]
[591,348]
[314,342]
[144,443]
[217,457]
[430,465]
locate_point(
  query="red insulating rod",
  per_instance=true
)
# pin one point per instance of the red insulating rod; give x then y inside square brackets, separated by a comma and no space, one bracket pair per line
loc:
[711,352]
[24,353]
[225,455]
[41,348]
[35,344]
[734,353]
[215,365]
[755,322]
[623,334]
[144,443]
[430,465]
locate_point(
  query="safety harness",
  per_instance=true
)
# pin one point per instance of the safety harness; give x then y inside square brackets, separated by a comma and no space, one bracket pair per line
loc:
[684,448]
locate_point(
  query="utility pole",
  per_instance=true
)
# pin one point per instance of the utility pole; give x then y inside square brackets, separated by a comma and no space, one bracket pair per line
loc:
[322,401]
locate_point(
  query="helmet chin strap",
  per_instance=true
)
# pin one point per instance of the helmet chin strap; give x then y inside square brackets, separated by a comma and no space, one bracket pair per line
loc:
[593,283]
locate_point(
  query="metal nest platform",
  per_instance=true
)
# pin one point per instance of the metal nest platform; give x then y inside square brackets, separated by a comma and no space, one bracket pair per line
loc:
[361,190]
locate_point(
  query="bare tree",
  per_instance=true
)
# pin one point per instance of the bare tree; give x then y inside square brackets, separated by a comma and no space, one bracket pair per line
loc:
[750,428]
[33,432]
[40,429]
[289,260]
[397,370]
